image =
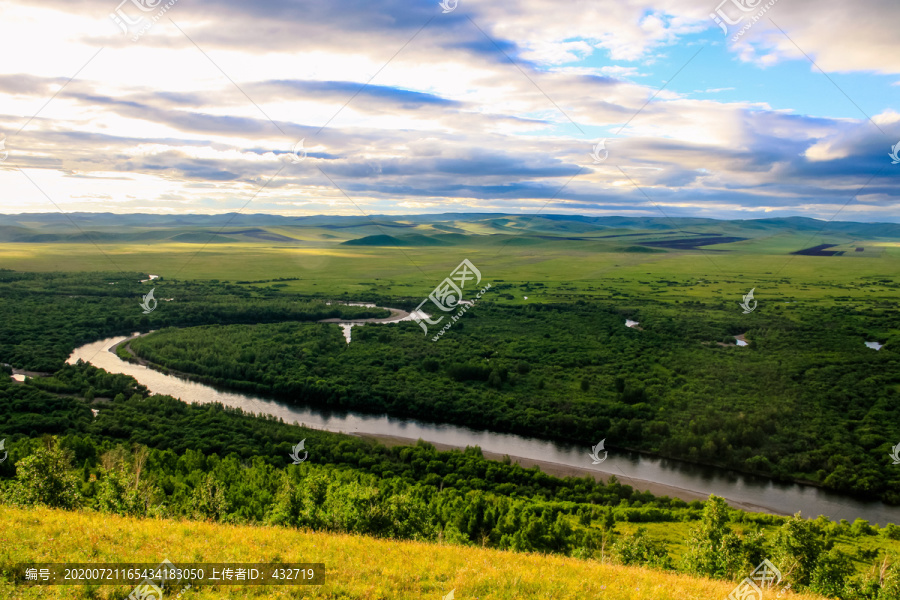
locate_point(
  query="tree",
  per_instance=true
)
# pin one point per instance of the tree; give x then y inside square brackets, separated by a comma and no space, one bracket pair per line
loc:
[120,489]
[285,511]
[46,478]
[409,518]
[115,495]
[861,527]
[608,529]
[638,549]
[208,499]
[832,570]
[713,549]
[891,532]
[797,548]
[588,542]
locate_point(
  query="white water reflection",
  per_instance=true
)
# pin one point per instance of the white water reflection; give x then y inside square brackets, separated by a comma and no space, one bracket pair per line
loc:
[347,326]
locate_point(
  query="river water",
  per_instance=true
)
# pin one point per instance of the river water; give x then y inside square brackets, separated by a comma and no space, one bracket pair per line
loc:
[768,495]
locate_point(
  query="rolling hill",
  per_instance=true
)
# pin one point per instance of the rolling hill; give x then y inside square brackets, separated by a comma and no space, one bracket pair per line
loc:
[435,230]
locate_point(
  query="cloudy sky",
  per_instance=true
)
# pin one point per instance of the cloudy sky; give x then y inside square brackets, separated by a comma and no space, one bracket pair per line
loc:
[407,106]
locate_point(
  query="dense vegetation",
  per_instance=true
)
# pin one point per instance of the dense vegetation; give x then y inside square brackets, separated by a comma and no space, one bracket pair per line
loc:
[44,316]
[155,456]
[166,424]
[806,400]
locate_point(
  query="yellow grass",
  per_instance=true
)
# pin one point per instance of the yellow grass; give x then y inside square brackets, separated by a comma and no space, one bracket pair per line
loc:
[358,567]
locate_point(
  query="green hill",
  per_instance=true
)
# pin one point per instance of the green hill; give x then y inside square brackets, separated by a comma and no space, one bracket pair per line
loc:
[407,240]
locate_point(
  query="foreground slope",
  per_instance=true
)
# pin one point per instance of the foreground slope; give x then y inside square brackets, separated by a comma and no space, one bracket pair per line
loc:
[358,567]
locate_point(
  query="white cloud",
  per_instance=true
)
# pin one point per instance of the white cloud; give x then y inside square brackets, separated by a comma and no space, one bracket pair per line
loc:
[448,122]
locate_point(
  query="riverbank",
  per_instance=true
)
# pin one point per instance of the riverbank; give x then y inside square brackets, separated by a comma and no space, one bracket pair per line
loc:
[548,467]
[560,470]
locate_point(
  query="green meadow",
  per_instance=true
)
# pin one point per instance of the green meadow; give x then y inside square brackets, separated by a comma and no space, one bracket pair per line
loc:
[565,267]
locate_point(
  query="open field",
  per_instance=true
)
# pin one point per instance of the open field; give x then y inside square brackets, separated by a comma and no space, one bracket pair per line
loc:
[400,255]
[415,271]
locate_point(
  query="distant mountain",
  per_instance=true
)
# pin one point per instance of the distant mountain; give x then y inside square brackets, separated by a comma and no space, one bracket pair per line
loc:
[405,230]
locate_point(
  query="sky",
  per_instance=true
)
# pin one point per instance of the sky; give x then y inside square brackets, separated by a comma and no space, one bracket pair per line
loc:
[347,107]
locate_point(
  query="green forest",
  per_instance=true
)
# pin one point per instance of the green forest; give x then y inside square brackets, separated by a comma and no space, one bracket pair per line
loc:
[44,316]
[806,400]
[156,456]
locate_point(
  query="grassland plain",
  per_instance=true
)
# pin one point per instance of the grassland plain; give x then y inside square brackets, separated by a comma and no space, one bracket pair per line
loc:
[358,567]
[415,271]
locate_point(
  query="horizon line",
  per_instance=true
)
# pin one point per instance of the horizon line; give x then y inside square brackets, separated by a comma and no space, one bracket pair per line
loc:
[441,214]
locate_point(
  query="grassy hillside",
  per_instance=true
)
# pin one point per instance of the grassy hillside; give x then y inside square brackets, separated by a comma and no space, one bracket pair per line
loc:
[358,567]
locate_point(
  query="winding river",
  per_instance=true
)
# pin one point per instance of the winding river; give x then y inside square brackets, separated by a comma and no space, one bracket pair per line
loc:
[660,476]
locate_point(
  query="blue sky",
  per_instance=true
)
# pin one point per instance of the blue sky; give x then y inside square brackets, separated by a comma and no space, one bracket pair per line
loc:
[396,107]
[794,85]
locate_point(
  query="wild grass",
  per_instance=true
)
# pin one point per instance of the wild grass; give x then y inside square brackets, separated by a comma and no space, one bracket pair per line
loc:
[358,567]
